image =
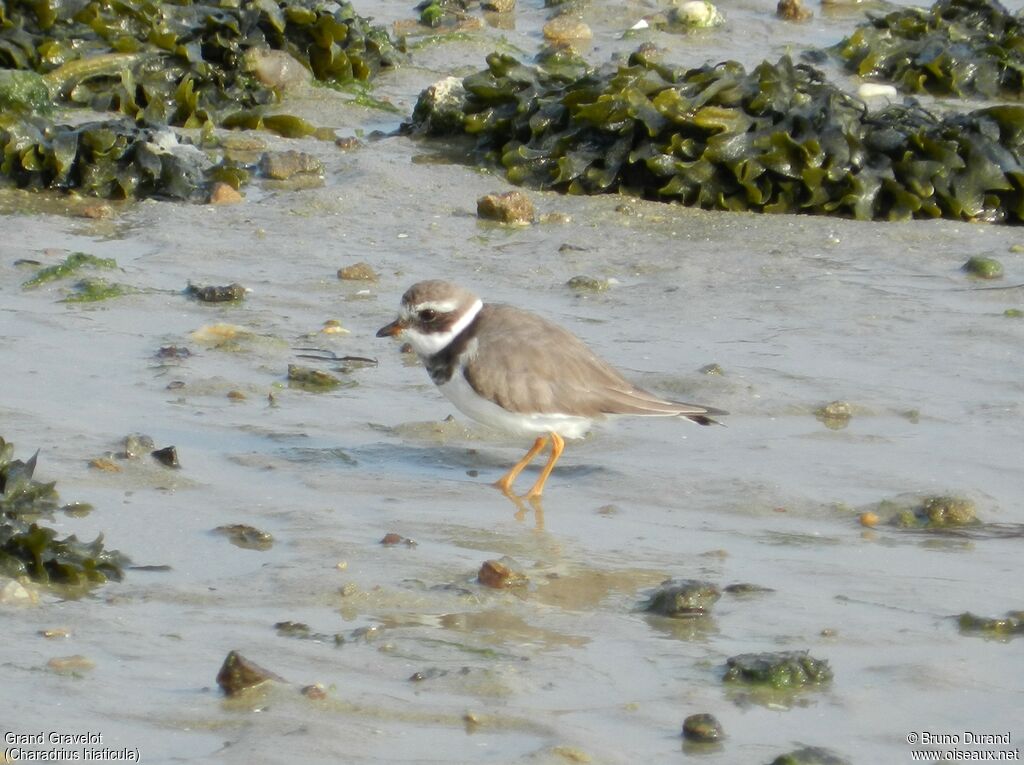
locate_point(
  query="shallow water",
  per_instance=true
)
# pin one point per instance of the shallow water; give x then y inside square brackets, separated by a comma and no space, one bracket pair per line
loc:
[798,311]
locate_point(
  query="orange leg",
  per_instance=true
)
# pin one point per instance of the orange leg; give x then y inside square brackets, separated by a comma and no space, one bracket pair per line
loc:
[557,445]
[505,482]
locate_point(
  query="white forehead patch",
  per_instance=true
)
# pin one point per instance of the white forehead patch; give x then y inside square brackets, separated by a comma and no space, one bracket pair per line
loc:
[429,343]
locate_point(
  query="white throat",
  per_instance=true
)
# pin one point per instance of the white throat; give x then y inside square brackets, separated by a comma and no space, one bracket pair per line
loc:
[427,344]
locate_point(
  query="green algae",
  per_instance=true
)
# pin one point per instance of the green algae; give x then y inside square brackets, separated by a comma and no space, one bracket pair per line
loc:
[94,290]
[776,139]
[1007,626]
[70,266]
[965,48]
[983,267]
[30,549]
[780,670]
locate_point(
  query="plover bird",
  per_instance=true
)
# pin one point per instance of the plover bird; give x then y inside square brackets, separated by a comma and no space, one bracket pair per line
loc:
[513,370]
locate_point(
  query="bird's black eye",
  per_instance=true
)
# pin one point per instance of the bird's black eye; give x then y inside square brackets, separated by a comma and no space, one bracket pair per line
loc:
[427,314]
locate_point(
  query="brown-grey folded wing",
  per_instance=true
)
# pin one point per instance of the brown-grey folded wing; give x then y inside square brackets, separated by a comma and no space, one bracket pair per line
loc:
[526,364]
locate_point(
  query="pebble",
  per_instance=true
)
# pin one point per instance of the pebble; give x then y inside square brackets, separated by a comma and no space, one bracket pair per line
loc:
[224,194]
[512,207]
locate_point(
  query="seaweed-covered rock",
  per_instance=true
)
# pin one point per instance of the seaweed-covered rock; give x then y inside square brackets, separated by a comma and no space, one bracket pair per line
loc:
[683,598]
[983,267]
[937,512]
[1011,624]
[778,138]
[237,674]
[703,728]
[810,755]
[955,48]
[783,669]
[30,549]
[110,158]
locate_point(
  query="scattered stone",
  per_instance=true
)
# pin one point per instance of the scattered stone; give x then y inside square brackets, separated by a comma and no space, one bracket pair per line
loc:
[283,165]
[828,632]
[780,670]
[558,218]
[810,755]
[315,692]
[683,598]
[236,395]
[565,30]
[876,90]
[588,284]
[222,193]
[792,10]
[498,6]
[391,539]
[245,536]
[499,575]
[97,211]
[54,634]
[440,108]
[696,14]
[983,268]
[745,588]
[349,143]
[276,69]
[14,593]
[135,445]
[237,674]
[311,379]
[70,665]
[167,456]
[938,512]
[711,369]
[105,464]
[173,352]
[511,207]
[226,294]
[835,415]
[868,519]
[333,327]
[358,272]
[1011,624]
[703,728]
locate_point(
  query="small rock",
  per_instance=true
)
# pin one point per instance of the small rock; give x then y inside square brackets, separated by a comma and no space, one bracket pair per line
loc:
[54,634]
[683,598]
[702,727]
[792,10]
[14,593]
[238,674]
[97,211]
[282,165]
[172,352]
[135,445]
[224,194]
[783,669]
[311,379]
[868,519]
[810,755]
[588,284]
[566,30]
[511,207]
[245,536]
[315,692]
[167,456]
[334,327]
[498,6]
[441,108]
[391,538]
[347,143]
[711,369]
[745,588]
[105,464]
[236,395]
[276,69]
[500,576]
[211,294]
[696,14]
[70,665]
[358,272]
[835,415]
[983,268]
